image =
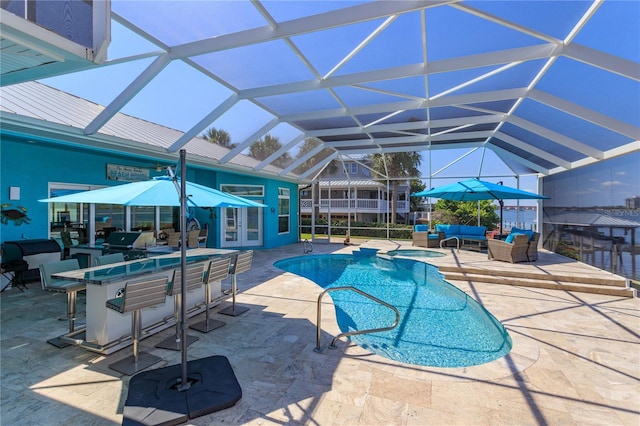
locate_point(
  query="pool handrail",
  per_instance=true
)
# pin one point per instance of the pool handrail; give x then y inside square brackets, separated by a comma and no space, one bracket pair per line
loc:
[352,333]
[451,238]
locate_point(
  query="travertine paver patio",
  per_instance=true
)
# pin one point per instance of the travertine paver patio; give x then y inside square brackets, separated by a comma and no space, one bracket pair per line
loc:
[575,360]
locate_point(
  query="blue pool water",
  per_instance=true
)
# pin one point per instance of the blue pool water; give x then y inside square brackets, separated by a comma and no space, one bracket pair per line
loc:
[439,325]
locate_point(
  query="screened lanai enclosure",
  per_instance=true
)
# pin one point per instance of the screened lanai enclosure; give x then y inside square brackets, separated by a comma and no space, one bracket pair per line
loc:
[539,95]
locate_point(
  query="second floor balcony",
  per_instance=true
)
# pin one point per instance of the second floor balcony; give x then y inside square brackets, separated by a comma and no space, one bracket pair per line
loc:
[354,206]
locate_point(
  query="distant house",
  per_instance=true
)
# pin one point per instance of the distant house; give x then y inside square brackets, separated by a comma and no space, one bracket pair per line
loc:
[353,191]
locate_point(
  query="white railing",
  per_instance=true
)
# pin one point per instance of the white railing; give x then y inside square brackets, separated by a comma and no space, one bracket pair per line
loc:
[354,206]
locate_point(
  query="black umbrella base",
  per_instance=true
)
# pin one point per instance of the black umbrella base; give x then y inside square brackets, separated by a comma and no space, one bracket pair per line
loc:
[154,397]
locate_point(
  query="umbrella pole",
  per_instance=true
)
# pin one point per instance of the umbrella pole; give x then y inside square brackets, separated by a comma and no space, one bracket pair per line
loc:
[184,384]
[501,207]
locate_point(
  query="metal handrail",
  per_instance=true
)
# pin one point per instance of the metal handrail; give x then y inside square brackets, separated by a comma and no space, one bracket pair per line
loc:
[352,333]
[451,238]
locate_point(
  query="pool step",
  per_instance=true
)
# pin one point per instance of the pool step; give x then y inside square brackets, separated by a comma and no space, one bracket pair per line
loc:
[608,286]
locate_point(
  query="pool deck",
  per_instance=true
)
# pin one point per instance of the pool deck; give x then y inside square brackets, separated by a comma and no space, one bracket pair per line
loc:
[575,359]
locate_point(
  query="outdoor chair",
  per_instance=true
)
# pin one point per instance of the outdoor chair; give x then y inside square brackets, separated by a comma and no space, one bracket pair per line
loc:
[422,237]
[137,295]
[107,259]
[69,287]
[532,250]
[241,264]
[193,281]
[173,239]
[509,251]
[202,237]
[217,271]
[192,238]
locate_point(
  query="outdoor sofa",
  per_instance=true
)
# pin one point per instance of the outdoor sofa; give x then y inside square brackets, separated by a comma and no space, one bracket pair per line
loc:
[464,232]
[422,237]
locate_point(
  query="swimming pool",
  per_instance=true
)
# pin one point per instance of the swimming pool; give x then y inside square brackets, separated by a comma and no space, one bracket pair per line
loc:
[415,253]
[440,325]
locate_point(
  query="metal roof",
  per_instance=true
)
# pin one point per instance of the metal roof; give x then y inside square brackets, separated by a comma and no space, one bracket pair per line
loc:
[360,183]
[591,219]
[544,86]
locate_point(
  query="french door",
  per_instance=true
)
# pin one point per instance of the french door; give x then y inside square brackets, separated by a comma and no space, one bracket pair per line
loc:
[241,227]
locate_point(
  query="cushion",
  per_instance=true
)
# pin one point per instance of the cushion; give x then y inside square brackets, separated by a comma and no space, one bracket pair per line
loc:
[511,236]
[421,228]
[473,230]
[448,229]
[523,231]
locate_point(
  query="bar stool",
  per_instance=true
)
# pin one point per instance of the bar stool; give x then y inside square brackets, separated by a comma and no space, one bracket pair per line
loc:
[70,288]
[106,259]
[193,282]
[242,264]
[137,295]
[217,271]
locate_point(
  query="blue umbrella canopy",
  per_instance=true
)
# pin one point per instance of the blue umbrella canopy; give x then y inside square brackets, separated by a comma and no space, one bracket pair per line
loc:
[159,191]
[474,190]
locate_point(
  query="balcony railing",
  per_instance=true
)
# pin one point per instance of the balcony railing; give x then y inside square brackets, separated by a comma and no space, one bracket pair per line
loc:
[354,206]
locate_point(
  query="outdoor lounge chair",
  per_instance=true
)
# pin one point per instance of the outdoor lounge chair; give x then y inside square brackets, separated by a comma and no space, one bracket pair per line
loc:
[534,238]
[422,237]
[509,251]
[532,251]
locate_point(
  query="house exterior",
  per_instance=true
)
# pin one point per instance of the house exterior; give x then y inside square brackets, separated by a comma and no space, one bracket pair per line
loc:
[44,154]
[352,191]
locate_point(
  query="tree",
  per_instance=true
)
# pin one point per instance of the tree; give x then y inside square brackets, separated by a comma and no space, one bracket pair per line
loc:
[219,137]
[416,185]
[263,148]
[309,145]
[396,165]
[466,213]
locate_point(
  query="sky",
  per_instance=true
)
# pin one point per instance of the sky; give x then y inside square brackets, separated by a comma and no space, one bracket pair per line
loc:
[186,108]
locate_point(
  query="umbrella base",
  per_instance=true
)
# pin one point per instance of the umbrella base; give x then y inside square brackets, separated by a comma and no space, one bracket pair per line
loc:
[154,397]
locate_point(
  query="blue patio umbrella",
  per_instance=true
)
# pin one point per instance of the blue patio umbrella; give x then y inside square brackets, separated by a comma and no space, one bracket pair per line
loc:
[159,191]
[475,190]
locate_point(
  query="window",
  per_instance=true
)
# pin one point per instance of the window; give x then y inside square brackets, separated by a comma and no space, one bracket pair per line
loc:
[244,190]
[283,210]
[354,168]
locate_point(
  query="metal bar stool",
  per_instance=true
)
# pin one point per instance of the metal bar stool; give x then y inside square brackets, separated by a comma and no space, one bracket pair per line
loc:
[70,288]
[242,264]
[217,271]
[193,282]
[137,295]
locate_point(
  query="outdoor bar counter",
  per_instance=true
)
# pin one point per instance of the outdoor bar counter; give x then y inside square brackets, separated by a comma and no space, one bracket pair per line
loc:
[107,330]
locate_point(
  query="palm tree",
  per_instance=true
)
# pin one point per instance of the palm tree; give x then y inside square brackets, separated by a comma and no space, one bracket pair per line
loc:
[263,148]
[393,166]
[219,137]
[309,145]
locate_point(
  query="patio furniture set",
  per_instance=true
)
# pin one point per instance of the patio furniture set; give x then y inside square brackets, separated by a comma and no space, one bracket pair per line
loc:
[520,245]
